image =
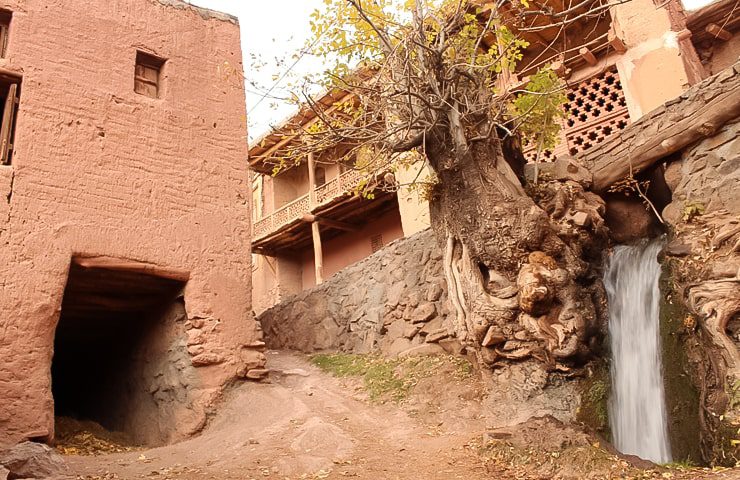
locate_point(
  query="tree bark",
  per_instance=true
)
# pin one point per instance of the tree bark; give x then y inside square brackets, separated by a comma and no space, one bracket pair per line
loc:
[516,274]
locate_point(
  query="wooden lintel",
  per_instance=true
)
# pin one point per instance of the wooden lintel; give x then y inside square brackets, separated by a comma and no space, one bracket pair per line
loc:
[124,265]
[349,227]
[718,32]
[587,56]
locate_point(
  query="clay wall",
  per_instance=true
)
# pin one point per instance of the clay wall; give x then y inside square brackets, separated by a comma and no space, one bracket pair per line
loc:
[99,170]
[351,247]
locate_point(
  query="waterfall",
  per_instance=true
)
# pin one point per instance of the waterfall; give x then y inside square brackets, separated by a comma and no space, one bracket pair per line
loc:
[637,410]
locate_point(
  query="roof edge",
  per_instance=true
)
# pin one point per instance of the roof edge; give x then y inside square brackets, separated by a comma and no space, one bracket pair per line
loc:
[205,13]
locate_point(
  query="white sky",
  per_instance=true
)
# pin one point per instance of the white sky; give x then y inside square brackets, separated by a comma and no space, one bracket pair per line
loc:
[269,29]
[272,28]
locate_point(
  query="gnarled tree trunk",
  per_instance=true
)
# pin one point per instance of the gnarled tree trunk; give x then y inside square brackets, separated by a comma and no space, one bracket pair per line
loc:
[518,266]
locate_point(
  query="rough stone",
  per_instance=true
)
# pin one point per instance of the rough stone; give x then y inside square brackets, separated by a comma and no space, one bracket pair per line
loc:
[434,292]
[397,346]
[257,373]
[452,346]
[360,323]
[437,335]
[33,460]
[207,359]
[432,325]
[628,219]
[411,330]
[423,313]
[427,349]
[494,336]
[562,169]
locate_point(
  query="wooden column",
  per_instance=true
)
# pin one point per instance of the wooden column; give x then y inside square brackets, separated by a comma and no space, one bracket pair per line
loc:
[318,255]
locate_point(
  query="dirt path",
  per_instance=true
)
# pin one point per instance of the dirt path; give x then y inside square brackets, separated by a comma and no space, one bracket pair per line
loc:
[305,424]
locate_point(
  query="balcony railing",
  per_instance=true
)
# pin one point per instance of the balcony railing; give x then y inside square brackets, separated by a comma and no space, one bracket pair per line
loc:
[294,210]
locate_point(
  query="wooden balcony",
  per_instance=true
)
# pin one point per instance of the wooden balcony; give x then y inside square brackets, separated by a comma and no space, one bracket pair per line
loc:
[295,210]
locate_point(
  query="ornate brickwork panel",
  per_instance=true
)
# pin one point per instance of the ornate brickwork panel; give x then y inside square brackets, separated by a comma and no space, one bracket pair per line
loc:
[294,210]
[595,110]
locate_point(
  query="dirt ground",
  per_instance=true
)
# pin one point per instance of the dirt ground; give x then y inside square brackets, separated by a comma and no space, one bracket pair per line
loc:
[307,424]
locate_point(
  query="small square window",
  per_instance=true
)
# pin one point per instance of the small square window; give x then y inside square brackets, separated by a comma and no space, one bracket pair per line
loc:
[147,76]
[5,17]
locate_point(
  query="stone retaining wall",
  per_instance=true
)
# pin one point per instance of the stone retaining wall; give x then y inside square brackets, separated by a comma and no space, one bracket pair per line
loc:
[393,301]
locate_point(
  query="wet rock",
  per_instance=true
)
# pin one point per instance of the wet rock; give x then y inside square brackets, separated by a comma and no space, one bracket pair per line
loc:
[33,460]
[628,219]
[677,249]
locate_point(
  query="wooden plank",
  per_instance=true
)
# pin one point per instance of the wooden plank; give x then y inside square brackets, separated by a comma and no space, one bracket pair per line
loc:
[649,147]
[124,265]
[6,131]
[347,227]
[718,32]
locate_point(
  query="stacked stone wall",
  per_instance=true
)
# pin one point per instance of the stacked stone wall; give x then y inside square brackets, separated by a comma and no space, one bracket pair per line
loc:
[394,301]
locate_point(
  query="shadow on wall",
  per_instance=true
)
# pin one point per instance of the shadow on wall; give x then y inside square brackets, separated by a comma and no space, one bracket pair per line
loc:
[120,355]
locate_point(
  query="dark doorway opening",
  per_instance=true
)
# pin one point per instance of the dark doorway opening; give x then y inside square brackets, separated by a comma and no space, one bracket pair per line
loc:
[119,352]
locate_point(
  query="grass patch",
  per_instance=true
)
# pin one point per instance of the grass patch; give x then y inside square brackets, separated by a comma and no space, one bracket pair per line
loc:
[390,379]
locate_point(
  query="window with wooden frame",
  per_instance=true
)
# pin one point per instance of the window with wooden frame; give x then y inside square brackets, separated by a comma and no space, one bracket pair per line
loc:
[10,89]
[5,17]
[148,75]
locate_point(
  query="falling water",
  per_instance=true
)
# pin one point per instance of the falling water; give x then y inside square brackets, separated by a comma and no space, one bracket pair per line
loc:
[637,410]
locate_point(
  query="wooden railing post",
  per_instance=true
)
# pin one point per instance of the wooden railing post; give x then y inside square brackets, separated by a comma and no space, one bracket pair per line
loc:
[318,255]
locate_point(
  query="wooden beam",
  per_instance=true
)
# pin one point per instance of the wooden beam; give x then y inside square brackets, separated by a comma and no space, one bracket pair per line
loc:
[616,43]
[348,227]
[651,145]
[318,255]
[124,265]
[311,181]
[587,56]
[718,32]
[290,137]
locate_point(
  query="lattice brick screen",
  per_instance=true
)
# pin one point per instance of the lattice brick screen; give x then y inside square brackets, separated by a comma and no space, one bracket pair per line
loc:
[595,109]
[376,242]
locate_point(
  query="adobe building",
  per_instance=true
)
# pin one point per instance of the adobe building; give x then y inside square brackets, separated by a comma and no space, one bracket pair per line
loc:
[124,218]
[617,66]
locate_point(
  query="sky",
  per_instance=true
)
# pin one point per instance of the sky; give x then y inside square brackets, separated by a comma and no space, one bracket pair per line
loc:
[271,29]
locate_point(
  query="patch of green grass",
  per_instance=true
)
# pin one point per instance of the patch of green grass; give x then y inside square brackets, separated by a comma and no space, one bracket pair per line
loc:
[390,379]
[685,464]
